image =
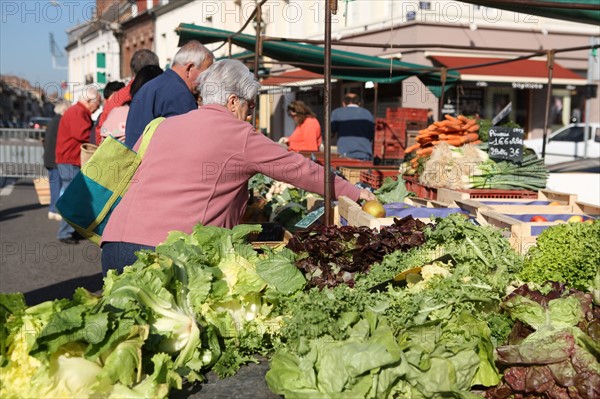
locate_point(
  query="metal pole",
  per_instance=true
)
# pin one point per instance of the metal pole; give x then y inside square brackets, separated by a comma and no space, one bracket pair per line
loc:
[257,52]
[550,62]
[329,8]
[587,130]
[375,95]
[443,75]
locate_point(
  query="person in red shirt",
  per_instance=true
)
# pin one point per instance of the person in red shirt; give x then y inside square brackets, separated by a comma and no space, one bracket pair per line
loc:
[73,130]
[140,59]
[307,136]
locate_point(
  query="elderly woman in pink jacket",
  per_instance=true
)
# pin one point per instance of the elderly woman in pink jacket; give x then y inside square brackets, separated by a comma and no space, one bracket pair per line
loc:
[197,166]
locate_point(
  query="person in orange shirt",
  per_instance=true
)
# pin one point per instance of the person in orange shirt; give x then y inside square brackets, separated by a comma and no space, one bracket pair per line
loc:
[307,135]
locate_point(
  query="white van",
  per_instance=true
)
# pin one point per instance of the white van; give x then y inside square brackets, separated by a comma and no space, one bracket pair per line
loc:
[567,143]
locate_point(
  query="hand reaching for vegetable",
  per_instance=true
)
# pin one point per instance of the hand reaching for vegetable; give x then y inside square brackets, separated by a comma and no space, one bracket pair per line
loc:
[366,195]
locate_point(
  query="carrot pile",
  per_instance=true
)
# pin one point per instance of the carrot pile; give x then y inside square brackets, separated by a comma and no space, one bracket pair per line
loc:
[455,131]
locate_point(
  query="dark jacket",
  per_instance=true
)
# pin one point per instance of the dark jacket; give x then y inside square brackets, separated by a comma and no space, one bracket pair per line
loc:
[166,95]
[50,142]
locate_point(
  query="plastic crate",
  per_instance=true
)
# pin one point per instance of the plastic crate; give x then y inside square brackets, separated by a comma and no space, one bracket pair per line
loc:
[375,177]
[416,114]
[422,191]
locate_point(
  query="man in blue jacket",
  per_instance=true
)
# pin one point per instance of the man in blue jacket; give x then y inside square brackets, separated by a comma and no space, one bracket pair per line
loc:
[354,127]
[172,93]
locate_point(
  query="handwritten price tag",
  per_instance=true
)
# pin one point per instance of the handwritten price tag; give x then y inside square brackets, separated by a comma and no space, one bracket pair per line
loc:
[506,143]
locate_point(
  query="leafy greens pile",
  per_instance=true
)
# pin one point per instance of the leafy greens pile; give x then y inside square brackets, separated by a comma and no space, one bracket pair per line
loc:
[331,255]
[200,301]
[554,349]
[432,339]
[568,253]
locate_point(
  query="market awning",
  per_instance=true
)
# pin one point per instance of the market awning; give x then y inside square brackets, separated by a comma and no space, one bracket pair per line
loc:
[344,64]
[298,77]
[583,11]
[520,71]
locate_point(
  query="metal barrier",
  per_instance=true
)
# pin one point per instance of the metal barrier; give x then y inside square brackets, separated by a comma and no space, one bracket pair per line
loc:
[21,153]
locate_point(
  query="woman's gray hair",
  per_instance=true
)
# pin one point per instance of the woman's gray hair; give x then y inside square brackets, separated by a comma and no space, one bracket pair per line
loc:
[192,52]
[224,78]
[89,93]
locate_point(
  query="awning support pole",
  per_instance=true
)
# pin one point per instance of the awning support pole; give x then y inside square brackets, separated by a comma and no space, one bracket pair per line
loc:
[443,75]
[550,64]
[257,52]
[375,95]
[330,7]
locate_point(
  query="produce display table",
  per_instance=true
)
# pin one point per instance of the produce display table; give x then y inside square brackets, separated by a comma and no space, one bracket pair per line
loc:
[249,382]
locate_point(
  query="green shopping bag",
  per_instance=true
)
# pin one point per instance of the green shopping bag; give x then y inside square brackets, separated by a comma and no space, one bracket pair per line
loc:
[96,190]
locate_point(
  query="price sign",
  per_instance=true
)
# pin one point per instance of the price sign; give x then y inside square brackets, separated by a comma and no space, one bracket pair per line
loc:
[506,143]
[309,219]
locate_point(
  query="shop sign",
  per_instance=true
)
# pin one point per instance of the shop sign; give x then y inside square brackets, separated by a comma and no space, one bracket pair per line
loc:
[448,109]
[527,85]
[481,84]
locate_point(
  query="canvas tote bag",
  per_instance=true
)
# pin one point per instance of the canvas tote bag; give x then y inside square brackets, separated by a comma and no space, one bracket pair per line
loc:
[96,190]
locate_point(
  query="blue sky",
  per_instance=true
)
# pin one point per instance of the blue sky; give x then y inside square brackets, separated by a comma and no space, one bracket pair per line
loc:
[25,27]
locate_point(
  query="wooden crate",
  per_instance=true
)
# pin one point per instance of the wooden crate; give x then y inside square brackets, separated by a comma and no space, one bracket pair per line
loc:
[411,137]
[351,174]
[355,216]
[42,189]
[576,208]
[522,234]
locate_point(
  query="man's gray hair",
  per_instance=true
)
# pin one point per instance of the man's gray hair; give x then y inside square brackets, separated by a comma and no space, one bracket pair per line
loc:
[192,52]
[224,78]
[141,58]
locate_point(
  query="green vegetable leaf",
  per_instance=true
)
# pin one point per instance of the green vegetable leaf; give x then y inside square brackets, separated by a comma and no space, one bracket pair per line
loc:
[280,272]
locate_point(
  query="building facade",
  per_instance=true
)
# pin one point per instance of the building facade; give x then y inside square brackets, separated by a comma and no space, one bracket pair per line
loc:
[20,101]
[432,33]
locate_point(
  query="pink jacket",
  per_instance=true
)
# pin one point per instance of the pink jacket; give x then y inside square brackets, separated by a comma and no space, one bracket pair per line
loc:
[196,169]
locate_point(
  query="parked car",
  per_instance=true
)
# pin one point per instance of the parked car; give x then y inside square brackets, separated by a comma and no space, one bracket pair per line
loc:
[39,122]
[567,143]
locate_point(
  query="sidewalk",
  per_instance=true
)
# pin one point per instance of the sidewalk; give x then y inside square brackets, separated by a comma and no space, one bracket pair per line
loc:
[32,261]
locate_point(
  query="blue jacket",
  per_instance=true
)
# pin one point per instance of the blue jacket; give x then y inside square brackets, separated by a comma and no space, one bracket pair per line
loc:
[166,95]
[355,128]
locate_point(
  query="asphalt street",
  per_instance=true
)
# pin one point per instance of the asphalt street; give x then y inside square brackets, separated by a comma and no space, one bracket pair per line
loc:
[33,262]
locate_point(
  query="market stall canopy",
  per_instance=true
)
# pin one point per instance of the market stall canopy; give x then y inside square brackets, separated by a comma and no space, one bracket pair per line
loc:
[518,71]
[344,64]
[583,11]
[295,78]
